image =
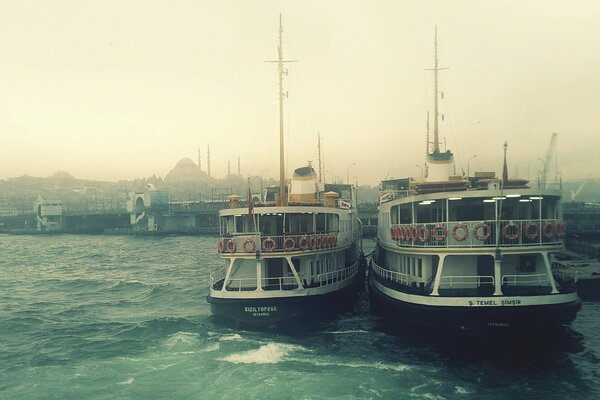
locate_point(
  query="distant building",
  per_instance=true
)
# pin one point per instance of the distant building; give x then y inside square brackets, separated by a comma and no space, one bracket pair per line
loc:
[186,171]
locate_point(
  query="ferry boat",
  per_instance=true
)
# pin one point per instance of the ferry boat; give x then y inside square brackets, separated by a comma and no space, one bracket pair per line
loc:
[293,256]
[468,252]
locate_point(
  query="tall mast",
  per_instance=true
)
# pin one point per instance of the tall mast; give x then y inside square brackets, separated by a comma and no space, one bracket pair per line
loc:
[281,70]
[436,68]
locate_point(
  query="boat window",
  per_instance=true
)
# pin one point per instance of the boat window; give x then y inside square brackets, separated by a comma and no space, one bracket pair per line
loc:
[420,268]
[467,210]
[394,214]
[333,222]
[321,225]
[430,213]
[271,224]
[406,214]
[527,263]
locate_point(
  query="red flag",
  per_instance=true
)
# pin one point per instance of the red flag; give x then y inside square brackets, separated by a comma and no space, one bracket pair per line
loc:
[250,209]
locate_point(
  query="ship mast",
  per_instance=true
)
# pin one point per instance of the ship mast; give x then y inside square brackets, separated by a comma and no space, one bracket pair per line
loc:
[435,69]
[281,70]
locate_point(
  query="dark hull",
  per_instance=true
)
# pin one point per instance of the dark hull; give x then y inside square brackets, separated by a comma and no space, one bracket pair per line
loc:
[526,318]
[279,312]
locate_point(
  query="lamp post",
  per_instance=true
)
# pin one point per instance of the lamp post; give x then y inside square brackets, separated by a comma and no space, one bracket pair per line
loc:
[347,172]
[468,162]
[421,168]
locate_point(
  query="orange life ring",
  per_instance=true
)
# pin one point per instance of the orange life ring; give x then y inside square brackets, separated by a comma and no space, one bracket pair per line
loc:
[413,232]
[439,232]
[289,244]
[487,231]
[423,235]
[269,245]
[334,241]
[529,233]
[220,245]
[516,231]
[231,246]
[251,249]
[303,243]
[456,228]
[548,231]
[561,230]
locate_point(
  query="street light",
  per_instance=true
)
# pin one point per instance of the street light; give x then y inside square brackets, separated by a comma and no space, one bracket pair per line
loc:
[347,171]
[261,184]
[468,161]
[421,168]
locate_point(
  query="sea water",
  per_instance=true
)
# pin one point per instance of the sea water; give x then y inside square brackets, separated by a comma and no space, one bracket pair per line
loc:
[120,317]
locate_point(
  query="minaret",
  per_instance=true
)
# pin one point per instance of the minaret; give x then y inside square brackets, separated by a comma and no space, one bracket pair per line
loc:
[208,161]
[320,162]
[199,160]
[228,168]
[239,169]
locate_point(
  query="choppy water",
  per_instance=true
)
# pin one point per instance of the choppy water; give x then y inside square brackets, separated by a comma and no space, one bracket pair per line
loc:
[95,317]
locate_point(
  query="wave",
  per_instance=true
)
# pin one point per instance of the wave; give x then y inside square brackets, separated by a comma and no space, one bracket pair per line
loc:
[270,353]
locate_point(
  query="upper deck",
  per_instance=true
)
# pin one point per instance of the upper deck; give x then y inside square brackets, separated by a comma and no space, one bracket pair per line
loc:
[472,218]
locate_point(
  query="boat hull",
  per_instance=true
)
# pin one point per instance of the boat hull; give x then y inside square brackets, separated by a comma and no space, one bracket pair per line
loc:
[281,311]
[496,318]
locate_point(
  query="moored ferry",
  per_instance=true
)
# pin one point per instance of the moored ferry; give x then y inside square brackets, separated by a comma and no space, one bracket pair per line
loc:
[293,256]
[469,252]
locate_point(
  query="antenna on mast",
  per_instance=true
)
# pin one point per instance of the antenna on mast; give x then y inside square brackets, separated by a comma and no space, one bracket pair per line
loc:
[280,63]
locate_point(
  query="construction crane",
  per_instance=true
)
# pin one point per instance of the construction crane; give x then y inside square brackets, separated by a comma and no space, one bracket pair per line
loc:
[550,157]
[574,193]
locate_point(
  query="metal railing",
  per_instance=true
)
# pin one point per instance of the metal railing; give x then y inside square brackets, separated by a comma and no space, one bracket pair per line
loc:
[241,284]
[465,281]
[526,280]
[393,276]
[279,283]
[217,276]
[479,233]
[332,277]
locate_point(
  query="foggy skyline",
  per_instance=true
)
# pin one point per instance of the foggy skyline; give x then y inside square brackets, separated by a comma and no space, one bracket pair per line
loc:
[124,90]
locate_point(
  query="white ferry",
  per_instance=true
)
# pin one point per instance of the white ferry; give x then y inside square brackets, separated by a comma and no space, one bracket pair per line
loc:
[291,256]
[468,252]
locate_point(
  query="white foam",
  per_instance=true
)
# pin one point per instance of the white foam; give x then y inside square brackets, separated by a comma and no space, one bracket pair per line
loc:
[127,382]
[182,338]
[232,337]
[271,353]
[349,332]
[377,365]
[461,390]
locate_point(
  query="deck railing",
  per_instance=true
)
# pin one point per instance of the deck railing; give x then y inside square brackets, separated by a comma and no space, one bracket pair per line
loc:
[526,280]
[465,281]
[277,243]
[332,277]
[479,233]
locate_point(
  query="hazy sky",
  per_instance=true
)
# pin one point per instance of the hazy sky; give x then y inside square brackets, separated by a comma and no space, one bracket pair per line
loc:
[115,90]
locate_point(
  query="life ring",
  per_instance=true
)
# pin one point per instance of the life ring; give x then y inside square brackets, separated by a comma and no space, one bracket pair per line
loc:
[413,232]
[334,240]
[393,232]
[303,243]
[507,229]
[531,231]
[250,249]
[231,246]
[289,244]
[548,231]
[461,238]
[269,245]
[220,245]
[318,242]
[439,232]
[561,230]
[487,231]
[423,234]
